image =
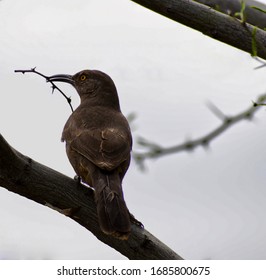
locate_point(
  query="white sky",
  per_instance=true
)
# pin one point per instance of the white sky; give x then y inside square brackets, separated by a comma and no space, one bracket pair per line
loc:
[205,204]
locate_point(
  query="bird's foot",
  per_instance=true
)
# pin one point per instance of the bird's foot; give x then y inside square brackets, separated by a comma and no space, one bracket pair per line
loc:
[82,186]
[79,181]
[134,221]
[77,178]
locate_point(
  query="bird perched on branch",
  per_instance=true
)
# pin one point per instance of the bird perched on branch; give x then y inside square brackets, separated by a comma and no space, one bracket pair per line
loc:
[98,145]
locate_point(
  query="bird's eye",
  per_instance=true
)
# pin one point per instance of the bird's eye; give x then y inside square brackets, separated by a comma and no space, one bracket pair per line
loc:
[83,77]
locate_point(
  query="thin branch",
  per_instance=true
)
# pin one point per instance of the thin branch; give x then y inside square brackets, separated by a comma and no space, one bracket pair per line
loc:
[253,11]
[26,177]
[255,104]
[32,70]
[262,62]
[216,111]
[155,151]
[211,22]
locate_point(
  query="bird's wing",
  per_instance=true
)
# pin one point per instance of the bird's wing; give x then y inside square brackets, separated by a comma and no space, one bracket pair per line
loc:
[107,148]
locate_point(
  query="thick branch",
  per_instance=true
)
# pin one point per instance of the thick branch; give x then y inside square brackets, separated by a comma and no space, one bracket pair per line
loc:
[22,175]
[155,151]
[217,25]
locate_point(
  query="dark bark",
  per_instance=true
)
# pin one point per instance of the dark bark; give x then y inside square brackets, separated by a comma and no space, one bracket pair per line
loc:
[217,25]
[26,177]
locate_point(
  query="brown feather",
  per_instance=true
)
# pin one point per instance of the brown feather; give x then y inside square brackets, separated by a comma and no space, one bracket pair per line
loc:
[98,145]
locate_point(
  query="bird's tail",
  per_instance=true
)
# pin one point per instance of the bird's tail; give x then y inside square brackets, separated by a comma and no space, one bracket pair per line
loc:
[112,211]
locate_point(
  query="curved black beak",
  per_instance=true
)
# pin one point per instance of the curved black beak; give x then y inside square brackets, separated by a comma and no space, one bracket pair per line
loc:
[61,78]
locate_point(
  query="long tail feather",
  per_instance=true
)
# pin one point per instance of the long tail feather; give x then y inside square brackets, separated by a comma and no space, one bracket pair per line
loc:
[112,211]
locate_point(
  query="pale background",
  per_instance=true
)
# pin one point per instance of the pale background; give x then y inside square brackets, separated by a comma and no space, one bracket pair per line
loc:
[205,204]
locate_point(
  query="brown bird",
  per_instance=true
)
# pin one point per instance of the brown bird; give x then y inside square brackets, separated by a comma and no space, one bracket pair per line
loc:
[98,145]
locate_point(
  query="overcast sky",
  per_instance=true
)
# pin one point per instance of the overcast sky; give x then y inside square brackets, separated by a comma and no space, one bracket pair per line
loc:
[205,204]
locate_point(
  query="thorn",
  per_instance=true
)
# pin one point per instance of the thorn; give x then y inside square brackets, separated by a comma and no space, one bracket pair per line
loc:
[189,146]
[53,88]
[205,143]
[228,120]
[249,116]
[254,103]
[216,111]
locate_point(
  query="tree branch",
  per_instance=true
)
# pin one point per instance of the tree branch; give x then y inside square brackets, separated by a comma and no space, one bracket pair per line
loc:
[54,86]
[155,151]
[24,176]
[215,24]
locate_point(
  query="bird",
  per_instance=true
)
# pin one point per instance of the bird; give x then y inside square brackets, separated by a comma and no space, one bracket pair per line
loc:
[98,144]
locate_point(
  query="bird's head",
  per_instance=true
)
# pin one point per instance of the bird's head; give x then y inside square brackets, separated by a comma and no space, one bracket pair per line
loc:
[92,85]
